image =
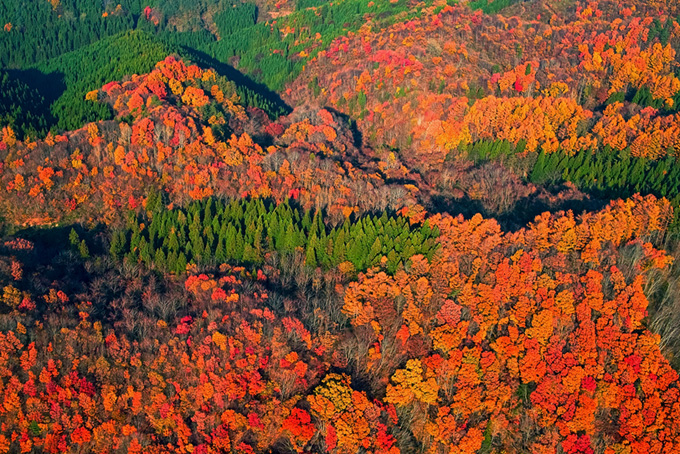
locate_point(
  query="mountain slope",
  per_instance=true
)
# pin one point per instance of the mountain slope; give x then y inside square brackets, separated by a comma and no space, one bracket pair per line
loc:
[459,238]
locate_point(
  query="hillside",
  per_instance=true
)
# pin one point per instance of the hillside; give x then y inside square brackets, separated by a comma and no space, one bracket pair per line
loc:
[304,226]
[63,57]
[585,83]
[183,131]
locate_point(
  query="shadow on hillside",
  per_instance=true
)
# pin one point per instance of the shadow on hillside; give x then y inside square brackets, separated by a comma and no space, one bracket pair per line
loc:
[236,76]
[50,86]
[357,136]
[522,213]
[53,258]
[54,239]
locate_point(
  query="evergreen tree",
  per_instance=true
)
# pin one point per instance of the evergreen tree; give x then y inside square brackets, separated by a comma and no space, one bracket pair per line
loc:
[392,261]
[320,226]
[83,249]
[339,248]
[153,201]
[144,251]
[357,251]
[209,238]
[159,259]
[290,239]
[195,228]
[306,221]
[181,264]
[216,225]
[198,250]
[118,244]
[220,254]
[173,243]
[135,238]
[257,241]
[74,239]
[207,213]
[171,261]
[239,246]
[376,252]
[310,253]
[153,229]
[250,254]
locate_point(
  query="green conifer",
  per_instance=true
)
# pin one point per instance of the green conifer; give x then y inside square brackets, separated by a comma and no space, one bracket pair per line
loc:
[160,260]
[118,243]
[181,264]
[74,238]
[83,249]
[310,253]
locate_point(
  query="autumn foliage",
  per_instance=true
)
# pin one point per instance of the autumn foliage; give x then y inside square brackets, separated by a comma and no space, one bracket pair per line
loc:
[456,76]
[193,276]
[533,338]
[186,135]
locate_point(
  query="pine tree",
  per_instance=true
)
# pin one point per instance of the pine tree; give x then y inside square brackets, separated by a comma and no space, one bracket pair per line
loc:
[237,213]
[538,172]
[249,254]
[356,252]
[409,250]
[153,201]
[144,250]
[181,218]
[392,261]
[230,242]
[83,249]
[171,261]
[130,219]
[290,239]
[339,254]
[310,253]
[208,213]
[195,228]
[388,244]
[164,225]
[209,237]
[369,228]
[216,225]
[118,243]
[257,241]
[198,250]
[159,259]
[239,246]
[306,221]
[375,253]
[181,264]
[136,237]
[173,243]
[153,229]
[324,250]
[74,238]
[131,257]
[220,254]
[320,226]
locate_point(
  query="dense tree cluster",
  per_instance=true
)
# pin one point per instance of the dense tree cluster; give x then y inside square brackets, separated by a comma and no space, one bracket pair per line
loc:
[501,342]
[461,76]
[66,48]
[421,254]
[22,107]
[182,130]
[244,232]
[608,173]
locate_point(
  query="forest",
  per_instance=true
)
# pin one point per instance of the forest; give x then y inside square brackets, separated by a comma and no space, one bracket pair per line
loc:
[348,226]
